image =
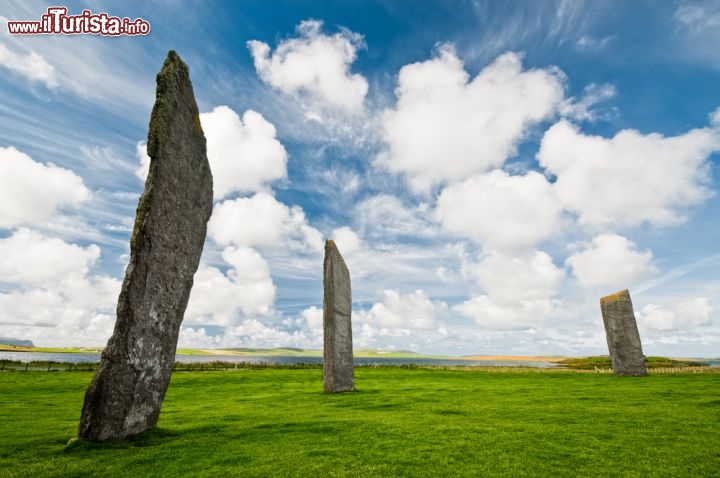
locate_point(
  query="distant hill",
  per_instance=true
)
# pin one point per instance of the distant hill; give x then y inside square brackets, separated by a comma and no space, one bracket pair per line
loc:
[297,352]
[11,341]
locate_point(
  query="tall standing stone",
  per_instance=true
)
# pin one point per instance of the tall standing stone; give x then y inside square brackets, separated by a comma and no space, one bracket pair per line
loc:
[127,391]
[338,368]
[622,334]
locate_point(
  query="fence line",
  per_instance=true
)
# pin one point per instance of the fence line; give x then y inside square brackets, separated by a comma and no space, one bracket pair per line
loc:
[51,366]
[685,370]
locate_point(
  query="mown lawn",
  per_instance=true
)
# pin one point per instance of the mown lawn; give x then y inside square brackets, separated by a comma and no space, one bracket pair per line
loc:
[400,422]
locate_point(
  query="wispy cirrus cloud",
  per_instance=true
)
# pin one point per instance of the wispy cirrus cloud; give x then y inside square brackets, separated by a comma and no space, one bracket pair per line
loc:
[31,65]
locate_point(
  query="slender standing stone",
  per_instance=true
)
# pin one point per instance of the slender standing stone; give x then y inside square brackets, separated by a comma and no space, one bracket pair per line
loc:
[127,391]
[338,371]
[622,334]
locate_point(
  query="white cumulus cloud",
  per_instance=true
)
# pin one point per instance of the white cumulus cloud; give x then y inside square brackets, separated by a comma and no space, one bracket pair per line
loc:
[630,178]
[686,314]
[262,221]
[500,211]
[246,290]
[446,126]
[401,314]
[315,65]
[493,315]
[31,191]
[347,240]
[508,277]
[655,317]
[518,290]
[31,259]
[244,154]
[249,333]
[49,290]
[695,311]
[611,261]
[312,319]
[141,153]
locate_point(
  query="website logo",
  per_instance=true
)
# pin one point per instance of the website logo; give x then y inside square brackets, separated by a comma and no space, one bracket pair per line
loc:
[57,22]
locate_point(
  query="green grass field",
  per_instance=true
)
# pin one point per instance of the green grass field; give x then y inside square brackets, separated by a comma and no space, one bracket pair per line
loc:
[400,422]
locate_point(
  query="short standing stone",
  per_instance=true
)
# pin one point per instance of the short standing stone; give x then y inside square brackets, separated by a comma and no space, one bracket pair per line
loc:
[622,334]
[127,391]
[338,371]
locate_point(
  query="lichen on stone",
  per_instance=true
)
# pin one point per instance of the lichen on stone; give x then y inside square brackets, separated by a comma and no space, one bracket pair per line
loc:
[617,296]
[198,125]
[165,101]
[163,110]
[143,207]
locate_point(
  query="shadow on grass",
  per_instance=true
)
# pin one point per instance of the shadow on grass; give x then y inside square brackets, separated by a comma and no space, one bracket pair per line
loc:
[299,427]
[154,437]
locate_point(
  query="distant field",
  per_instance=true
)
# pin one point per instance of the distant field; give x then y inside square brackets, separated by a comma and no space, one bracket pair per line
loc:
[69,350]
[604,363]
[400,422]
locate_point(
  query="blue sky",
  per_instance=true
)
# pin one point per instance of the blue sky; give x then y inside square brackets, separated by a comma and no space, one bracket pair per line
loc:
[489,170]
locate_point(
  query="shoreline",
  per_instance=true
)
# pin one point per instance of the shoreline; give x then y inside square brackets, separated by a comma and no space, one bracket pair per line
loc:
[289,352]
[303,353]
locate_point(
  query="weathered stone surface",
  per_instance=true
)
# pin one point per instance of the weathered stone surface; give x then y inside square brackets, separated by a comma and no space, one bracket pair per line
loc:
[622,334]
[338,369]
[127,392]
